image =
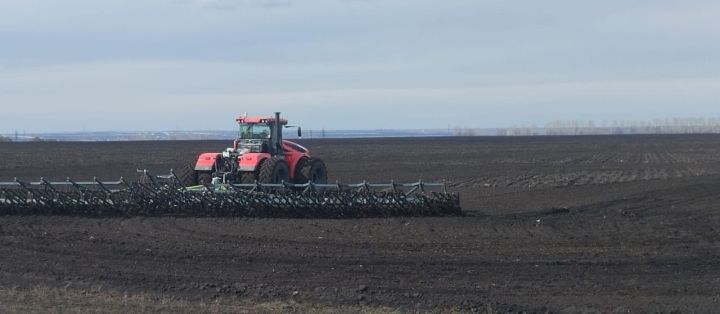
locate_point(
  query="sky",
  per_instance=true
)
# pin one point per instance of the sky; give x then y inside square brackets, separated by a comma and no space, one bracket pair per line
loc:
[118,65]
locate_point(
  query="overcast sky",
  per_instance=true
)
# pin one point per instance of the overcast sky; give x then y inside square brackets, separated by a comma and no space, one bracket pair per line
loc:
[70,65]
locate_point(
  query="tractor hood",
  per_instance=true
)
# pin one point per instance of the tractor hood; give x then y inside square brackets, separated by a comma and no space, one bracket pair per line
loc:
[295,147]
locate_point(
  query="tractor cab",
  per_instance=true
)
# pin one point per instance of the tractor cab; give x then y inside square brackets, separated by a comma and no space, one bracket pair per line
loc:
[253,138]
[258,135]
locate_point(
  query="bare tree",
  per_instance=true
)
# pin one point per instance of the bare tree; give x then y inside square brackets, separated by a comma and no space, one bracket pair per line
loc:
[589,127]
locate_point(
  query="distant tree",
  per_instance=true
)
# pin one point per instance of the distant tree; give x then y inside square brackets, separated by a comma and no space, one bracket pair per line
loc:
[5,139]
[460,131]
[40,139]
[577,127]
[457,131]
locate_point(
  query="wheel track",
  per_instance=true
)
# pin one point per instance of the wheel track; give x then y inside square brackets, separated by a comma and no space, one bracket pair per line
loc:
[581,178]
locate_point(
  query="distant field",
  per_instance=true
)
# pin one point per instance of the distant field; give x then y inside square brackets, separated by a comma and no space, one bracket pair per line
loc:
[597,223]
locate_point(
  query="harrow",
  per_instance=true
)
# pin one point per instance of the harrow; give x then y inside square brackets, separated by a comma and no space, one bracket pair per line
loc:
[166,195]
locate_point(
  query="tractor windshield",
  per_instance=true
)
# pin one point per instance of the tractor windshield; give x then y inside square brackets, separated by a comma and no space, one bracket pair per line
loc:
[255,131]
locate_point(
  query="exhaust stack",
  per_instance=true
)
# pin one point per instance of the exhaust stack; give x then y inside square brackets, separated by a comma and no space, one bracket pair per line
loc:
[278,138]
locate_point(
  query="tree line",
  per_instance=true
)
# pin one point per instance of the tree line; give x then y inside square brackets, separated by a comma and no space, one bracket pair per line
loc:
[578,127]
[34,139]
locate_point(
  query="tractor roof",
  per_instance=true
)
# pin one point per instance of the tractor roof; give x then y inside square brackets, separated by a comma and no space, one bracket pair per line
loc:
[260,119]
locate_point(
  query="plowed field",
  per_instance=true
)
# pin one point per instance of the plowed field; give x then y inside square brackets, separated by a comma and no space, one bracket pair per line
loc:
[558,224]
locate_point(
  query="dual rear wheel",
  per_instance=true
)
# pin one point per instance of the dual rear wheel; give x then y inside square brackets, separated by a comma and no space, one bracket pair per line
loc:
[311,170]
[276,170]
[273,171]
[190,177]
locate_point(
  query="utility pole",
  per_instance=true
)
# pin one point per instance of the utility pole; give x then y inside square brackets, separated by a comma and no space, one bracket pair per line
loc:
[16,135]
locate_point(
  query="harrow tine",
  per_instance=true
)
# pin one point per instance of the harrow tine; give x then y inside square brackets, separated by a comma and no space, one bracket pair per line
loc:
[166,195]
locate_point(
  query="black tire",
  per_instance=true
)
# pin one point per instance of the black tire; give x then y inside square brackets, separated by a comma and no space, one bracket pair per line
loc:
[204,177]
[300,171]
[274,170]
[315,171]
[188,176]
[247,178]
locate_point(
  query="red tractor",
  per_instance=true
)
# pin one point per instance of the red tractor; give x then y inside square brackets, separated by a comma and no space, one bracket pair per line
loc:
[260,154]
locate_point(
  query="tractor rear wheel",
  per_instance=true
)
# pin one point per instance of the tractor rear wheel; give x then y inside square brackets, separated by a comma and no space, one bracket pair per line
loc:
[274,170]
[300,171]
[188,175]
[247,178]
[315,171]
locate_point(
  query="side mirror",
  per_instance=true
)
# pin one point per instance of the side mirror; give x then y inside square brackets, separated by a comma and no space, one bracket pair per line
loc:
[299,132]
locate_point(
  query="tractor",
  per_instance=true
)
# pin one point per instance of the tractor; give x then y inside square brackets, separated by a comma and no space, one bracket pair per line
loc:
[261,175]
[260,155]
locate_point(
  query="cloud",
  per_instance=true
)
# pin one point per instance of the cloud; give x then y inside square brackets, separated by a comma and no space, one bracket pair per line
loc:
[199,95]
[466,62]
[685,17]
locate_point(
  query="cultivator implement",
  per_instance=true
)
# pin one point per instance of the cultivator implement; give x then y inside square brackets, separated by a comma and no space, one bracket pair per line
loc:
[167,196]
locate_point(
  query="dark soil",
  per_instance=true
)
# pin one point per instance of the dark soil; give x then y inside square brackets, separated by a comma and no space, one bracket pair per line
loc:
[563,224]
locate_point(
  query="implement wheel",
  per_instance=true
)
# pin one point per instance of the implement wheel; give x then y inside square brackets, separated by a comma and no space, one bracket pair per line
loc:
[274,170]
